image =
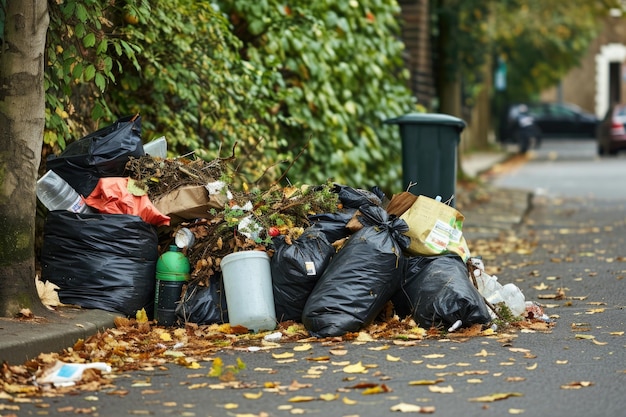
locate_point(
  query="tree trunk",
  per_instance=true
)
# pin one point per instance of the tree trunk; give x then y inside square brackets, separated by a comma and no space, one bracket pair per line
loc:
[448,78]
[22,120]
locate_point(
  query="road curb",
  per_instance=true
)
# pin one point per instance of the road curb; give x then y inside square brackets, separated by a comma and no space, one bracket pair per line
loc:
[24,339]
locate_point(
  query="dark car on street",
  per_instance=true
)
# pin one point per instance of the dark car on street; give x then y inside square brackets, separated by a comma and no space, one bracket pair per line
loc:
[611,132]
[552,120]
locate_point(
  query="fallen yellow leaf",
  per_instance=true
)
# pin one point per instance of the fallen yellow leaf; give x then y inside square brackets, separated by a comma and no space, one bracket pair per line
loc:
[364,337]
[516,411]
[141,316]
[231,406]
[392,358]
[434,356]
[425,382]
[577,385]
[284,355]
[253,396]
[319,359]
[329,397]
[379,348]
[356,368]
[216,367]
[302,348]
[488,332]
[166,337]
[378,389]
[301,399]
[348,401]
[496,397]
[441,390]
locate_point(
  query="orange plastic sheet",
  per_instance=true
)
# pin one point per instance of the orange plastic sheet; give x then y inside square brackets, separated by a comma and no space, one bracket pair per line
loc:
[111,196]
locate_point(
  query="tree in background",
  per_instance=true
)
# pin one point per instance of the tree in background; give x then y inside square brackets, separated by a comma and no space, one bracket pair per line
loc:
[540,41]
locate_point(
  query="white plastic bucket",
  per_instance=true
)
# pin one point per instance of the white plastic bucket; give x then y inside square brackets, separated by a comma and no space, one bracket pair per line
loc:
[248,287]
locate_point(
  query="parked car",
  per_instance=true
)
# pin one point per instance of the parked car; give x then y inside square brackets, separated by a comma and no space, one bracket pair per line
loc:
[611,132]
[552,119]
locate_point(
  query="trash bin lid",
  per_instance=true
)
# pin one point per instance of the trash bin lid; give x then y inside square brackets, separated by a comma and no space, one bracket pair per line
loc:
[428,119]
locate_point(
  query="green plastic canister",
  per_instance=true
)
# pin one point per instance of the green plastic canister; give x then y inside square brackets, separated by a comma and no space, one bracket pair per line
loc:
[172,271]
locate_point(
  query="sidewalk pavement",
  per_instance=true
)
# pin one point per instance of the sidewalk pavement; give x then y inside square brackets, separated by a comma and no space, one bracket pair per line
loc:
[488,212]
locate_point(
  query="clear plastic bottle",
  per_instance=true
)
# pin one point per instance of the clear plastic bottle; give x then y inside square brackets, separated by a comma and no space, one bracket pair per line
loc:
[514,298]
[56,194]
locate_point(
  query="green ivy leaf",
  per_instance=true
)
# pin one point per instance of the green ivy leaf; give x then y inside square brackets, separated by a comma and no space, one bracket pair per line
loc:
[89,72]
[81,12]
[89,40]
[100,81]
[102,47]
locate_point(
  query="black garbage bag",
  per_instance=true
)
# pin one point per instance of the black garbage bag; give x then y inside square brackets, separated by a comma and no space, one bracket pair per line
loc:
[361,277]
[101,261]
[103,153]
[355,198]
[296,268]
[333,225]
[202,304]
[437,292]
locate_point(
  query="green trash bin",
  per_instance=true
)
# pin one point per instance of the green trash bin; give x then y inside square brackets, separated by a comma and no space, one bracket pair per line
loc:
[429,153]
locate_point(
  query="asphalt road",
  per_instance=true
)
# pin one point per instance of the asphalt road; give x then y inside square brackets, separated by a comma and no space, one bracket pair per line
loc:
[568,255]
[570,168]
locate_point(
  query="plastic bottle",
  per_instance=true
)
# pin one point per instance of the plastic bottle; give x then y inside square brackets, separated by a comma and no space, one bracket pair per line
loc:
[488,285]
[494,292]
[172,271]
[63,374]
[56,194]
[514,299]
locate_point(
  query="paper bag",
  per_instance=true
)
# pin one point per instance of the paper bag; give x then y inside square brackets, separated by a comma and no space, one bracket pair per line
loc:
[435,228]
[189,202]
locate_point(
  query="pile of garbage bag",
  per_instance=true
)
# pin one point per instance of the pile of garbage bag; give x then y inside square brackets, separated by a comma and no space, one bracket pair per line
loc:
[339,255]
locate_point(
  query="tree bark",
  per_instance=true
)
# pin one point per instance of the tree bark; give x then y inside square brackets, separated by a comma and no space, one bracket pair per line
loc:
[22,120]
